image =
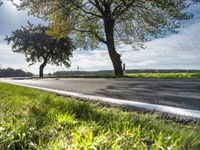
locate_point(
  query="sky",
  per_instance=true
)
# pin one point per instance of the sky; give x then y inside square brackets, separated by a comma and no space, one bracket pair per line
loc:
[175,51]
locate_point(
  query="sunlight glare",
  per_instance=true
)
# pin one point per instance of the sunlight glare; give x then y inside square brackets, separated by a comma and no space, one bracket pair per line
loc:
[16,2]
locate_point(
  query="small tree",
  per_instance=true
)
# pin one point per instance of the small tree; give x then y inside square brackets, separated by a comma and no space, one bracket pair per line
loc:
[39,46]
[110,22]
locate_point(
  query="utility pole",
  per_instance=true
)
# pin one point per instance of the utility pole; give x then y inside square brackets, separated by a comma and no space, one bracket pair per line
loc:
[124,69]
[78,70]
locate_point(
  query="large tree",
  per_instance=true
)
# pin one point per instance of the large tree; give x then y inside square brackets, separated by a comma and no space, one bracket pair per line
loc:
[110,22]
[38,46]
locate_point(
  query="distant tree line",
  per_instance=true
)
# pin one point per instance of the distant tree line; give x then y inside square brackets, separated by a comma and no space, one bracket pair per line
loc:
[9,72]
[71,73]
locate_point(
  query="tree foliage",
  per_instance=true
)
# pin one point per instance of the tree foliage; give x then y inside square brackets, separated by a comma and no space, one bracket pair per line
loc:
[134,19]
[37,45]
[110,22]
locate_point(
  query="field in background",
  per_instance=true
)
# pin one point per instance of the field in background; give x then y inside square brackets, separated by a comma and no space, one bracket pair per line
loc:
[30,119]
[164,75]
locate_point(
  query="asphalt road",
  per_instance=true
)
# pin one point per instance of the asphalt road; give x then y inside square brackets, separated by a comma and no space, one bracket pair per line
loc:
[182,93]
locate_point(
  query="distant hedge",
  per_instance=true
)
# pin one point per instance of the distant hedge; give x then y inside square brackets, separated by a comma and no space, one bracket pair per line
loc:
[9,72]
[105,72]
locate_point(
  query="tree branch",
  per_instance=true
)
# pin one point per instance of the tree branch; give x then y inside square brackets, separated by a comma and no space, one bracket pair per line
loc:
[85,11]
[99,38]
[122,7]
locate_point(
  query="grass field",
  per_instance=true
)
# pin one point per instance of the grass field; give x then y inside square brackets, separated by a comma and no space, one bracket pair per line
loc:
[139,75]
[31,119]
[165,75]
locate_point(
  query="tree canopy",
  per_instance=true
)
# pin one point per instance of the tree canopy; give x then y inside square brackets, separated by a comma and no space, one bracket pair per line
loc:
[110,22]
[37,45]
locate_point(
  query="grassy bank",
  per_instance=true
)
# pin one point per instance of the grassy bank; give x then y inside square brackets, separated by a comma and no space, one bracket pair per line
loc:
[164,75]
[138,75]
[30,119]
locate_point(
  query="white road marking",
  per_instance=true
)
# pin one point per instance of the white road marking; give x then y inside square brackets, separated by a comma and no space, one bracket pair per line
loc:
[147,106]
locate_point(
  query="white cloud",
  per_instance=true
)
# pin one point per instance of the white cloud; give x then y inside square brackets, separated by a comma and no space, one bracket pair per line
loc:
[91,60]
[2,39]
[176,51]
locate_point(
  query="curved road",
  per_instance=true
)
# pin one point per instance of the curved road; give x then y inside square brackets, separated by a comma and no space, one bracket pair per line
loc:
[182,93]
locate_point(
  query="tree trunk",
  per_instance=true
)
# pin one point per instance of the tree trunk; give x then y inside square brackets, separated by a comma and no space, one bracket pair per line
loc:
[42,68]
[115,57]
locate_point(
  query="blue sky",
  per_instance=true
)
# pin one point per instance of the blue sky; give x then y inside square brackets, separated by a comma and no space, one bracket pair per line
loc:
[176,51]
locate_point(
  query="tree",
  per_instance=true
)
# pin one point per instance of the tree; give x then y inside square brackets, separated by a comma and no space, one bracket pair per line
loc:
[39,46]
[110,22]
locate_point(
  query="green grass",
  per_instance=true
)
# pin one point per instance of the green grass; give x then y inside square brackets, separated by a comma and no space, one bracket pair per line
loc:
[31,119]
[164,75]
[183,75]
